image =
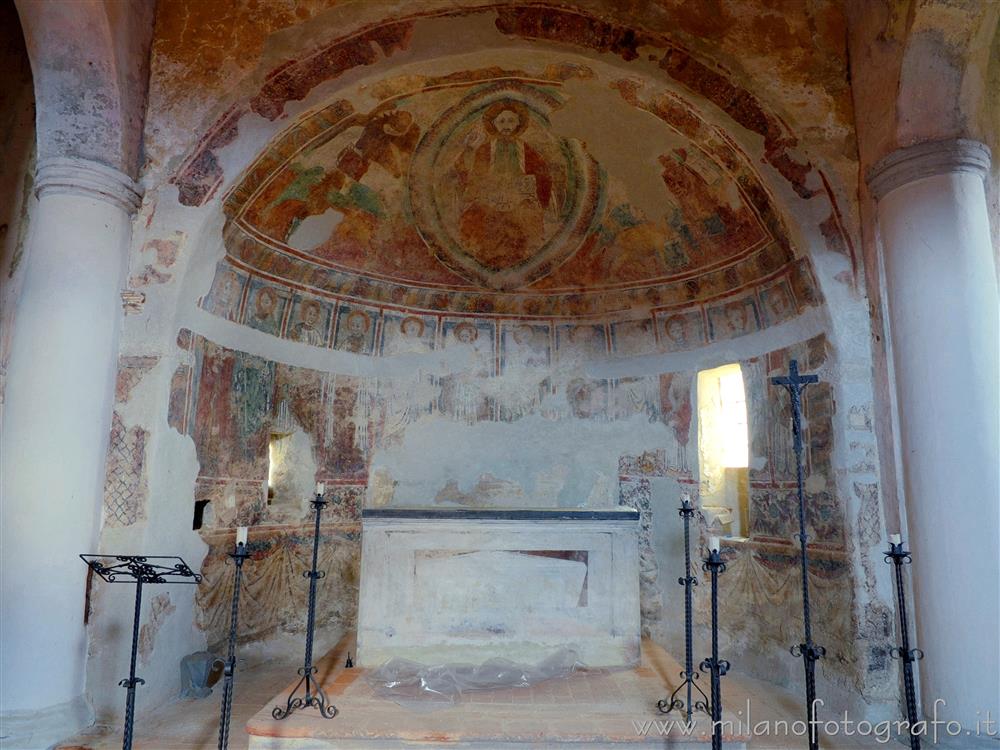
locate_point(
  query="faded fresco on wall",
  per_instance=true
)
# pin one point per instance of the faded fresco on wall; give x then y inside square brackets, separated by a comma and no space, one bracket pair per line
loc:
[472,212]
[370,330]
[235,406]
[521,382]
[460,194]
[762,603]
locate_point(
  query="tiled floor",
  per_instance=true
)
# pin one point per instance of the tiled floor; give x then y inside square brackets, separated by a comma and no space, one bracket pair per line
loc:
[583,709]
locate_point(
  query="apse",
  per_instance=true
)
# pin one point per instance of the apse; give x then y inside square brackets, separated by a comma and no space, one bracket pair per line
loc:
[485,274]
[463,304]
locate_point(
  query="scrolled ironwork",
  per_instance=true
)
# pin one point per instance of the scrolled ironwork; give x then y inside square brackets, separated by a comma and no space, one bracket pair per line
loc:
[713,665]
[897,556]
[314,696]
[809,652]
[140,569]
[688,685]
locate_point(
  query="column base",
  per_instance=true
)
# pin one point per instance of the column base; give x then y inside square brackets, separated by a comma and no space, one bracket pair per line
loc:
[39,730]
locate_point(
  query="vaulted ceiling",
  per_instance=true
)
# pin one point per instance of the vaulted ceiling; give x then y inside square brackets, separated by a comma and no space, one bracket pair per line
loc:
[527,160]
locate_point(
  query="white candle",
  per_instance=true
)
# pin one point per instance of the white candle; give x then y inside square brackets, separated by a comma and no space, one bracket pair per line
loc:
[894,539]
[320,488]
[685,499]
[713,543]
[241,535]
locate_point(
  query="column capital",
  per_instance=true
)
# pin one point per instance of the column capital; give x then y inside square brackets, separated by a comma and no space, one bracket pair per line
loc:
[63,175]
[928,159]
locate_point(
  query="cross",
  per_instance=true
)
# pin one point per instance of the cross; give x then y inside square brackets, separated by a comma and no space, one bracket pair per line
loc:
[808,651]
[793,379]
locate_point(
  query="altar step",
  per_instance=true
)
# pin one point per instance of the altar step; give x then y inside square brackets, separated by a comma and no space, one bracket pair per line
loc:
[590,709]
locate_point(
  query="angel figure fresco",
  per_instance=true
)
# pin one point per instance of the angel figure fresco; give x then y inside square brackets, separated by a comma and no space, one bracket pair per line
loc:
[509,191]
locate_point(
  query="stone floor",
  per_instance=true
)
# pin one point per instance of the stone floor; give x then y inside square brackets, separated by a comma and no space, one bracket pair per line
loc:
[586,710]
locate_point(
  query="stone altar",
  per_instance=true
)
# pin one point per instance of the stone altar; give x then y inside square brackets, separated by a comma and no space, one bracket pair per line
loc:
[442,585]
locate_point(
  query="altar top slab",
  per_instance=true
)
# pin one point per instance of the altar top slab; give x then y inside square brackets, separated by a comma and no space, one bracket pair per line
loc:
[501,514]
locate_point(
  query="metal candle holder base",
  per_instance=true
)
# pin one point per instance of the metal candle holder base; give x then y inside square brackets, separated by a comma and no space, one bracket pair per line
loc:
[714,666]
[229,674]
[900,557]
[689,675]
[143,569]
[313,696]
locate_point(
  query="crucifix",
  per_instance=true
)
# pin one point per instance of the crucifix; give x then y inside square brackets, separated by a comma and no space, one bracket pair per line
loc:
[810,653]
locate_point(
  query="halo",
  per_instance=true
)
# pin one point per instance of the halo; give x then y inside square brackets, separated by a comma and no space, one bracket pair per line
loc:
[309,304]
[515,106]
[354,314]
[464,326]
[679,318]
[412,319]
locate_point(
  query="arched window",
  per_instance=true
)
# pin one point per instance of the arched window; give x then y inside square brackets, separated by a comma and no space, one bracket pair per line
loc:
[723,447]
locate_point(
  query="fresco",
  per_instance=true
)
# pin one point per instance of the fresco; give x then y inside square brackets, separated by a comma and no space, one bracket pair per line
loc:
[773,499]
[407,334]
[496,195]
[680,330]
[310,321]
[231,403]
[472,193]
[389,331]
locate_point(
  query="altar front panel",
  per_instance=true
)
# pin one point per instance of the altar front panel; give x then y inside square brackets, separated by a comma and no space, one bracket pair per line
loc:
[445,586]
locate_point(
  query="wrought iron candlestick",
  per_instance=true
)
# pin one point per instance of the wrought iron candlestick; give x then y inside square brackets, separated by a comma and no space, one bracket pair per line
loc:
[899,557]
[142,570]
[807,650]
[715,667]
[314,695]
[239,555]
[689,675]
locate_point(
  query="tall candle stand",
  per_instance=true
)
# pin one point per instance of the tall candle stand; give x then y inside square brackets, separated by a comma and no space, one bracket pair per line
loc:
[899,557]
[716,668]
[689,675]
[314,694]
[239,556]
[141,569]
[810,653]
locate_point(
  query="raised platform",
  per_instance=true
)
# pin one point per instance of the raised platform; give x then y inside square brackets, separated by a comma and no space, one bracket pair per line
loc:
[597,710]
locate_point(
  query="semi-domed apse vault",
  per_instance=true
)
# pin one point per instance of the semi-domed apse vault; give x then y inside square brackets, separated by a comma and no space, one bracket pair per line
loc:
[529,164]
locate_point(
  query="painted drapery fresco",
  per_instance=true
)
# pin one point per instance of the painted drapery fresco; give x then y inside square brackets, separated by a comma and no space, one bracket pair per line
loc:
[356,429]
[763,601]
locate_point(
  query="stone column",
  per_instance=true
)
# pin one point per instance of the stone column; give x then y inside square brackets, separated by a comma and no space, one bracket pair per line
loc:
[57,414]
[941,292]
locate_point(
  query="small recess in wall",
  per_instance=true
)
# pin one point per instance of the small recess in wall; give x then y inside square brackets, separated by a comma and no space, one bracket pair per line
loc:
[199,513]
